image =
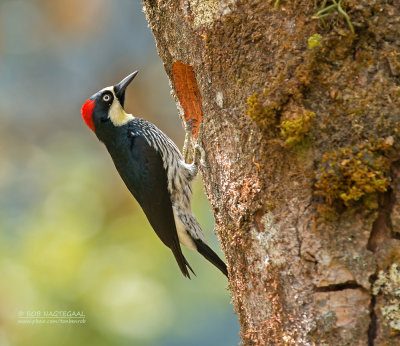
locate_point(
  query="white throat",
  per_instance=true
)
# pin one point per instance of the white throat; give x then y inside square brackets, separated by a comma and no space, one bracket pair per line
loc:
[117,114]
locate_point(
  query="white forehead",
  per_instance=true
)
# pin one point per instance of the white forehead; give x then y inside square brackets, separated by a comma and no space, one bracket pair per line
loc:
[110,88]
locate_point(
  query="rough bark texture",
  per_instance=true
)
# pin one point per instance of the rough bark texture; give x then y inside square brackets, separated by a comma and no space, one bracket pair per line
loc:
[301,133]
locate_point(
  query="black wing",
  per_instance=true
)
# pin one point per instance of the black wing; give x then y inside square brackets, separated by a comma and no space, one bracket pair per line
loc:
[211,256]
[147,180]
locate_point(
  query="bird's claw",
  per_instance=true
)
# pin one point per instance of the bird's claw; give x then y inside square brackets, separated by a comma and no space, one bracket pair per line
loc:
[199,149]
[189,125]
[189,122]
[188,136]
[204,164]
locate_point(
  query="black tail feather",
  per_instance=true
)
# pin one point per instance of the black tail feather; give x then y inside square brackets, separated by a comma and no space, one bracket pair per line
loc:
[211,256]
[182,262]
[188,265]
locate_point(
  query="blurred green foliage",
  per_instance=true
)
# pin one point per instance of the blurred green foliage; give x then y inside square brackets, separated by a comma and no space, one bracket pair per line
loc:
[85,245]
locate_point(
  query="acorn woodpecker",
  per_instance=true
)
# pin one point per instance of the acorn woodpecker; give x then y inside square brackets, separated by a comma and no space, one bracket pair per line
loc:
[153,170]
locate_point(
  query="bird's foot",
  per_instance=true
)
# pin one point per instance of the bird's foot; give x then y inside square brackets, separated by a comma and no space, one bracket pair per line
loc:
[189,125]
[188,136]
[199,149]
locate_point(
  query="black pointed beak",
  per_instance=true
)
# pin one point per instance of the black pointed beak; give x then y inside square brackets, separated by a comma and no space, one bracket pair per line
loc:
[119,89]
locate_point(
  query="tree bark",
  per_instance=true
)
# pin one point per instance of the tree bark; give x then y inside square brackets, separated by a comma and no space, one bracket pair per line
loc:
[301,131]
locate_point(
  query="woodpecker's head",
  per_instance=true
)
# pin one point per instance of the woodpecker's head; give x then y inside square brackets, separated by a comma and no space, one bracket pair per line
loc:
[107,105]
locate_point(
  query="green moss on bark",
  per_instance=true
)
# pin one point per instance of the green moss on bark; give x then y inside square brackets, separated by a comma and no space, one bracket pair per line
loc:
[262,112]
[295,130]
[354,174]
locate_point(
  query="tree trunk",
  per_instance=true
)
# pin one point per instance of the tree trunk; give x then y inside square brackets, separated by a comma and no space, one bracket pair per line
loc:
[301,132]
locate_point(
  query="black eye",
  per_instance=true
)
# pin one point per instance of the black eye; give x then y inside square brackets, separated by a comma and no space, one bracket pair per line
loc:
[106,97]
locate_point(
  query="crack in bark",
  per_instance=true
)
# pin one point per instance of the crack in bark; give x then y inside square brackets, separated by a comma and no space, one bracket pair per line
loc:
[372,329]
[299,240]
[382,229]
[382,226]
[394,173]
[353,285]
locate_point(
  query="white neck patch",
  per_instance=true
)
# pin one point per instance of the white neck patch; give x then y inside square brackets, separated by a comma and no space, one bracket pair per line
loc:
[116,113]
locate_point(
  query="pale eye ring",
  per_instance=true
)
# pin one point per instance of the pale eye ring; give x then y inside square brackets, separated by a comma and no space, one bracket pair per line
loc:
[106,97]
